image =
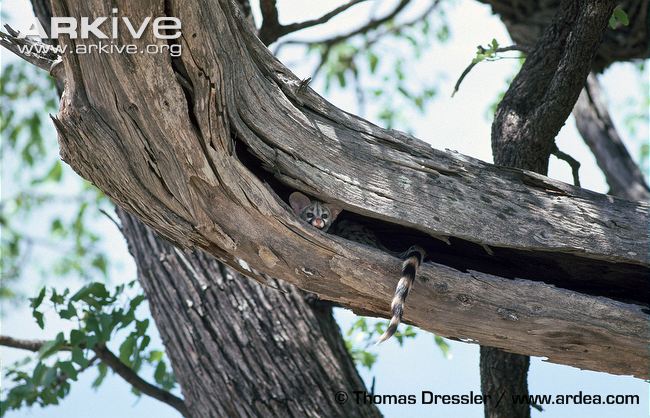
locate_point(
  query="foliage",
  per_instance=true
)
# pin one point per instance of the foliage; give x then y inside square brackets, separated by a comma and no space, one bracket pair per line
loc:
[49,218]
[38,214]
[486,53]
[618,18]
[378,65]
[362,334]
[96,314]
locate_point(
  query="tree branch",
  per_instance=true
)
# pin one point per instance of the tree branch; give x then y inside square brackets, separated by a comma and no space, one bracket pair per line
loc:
[271,28]
[327,45]
[270,23]
[473,63]
[126,373]
[573,163]
[41,55]
[526,20]
[531,113]
[369,26]
[259,344]
[541,96]
[115,364]
[215,173]
[293,27]
[599,133]
[22,344]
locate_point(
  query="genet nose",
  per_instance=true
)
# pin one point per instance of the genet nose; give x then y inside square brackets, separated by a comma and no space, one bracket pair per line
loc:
[318,223]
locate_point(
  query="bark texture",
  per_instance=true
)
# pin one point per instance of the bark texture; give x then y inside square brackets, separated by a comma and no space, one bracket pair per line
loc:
[504,375]
[240,349]
[319,368]
[526,20]
[527,120]
[543,93]
[206,147]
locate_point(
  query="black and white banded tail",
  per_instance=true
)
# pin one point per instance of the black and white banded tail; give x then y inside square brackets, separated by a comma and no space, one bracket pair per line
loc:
[412,260]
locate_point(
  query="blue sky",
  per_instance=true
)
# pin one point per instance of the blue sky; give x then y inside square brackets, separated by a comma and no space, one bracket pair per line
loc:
[459,124]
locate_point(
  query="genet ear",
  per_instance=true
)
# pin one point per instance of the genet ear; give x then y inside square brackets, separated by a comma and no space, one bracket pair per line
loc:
[334,211]
[298,202]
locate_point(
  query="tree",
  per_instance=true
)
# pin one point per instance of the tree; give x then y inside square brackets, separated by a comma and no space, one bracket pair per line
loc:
[232,146]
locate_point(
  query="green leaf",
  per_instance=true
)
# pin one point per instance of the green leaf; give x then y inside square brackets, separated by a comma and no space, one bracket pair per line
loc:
[341,78]
[67,368]
[77,337]
[136,301]
[56,298]
[52,346]
[55,174]
[38,316]
[56,228]
[145,342]
[69,312]
[39,372]
[141,326]
[78,357]
[618,18]
[368,359]
[36,302]
[444,347]
[100,263]
[96,289]
[50,376]
[155,355]
[103,370]
[126,349]
[91,341]
[160,372]
[373,60]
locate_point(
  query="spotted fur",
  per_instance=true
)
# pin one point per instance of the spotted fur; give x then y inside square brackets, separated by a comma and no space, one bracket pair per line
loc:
[321,215]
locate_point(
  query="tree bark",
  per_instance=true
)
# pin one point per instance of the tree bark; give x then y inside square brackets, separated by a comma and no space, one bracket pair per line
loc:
[543,93]
[527,120]
[597,129]
[320,364]
[504,375]
[526,20]
[240,349]
[205,148]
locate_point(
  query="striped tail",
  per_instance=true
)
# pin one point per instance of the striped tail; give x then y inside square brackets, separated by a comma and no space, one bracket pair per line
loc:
[412,259]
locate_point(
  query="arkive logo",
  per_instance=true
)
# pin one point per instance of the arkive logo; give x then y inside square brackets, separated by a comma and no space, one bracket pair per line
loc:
[162,27]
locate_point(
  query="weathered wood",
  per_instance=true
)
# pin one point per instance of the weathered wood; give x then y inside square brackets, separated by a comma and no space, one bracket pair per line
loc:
[200,160]
[526,122]
[240,349]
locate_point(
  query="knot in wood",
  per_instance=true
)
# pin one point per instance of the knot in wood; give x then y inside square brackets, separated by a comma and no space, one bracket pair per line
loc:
[465,300]
[508,314]
[268,257]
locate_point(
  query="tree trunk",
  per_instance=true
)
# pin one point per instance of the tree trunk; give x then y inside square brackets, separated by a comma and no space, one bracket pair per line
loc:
[240,349]
[526,20]
[205,148]
[249,384]
[504,375]
[527,120]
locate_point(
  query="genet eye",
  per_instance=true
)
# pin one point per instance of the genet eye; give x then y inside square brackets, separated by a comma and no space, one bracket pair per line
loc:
[310,215]
[324,216]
